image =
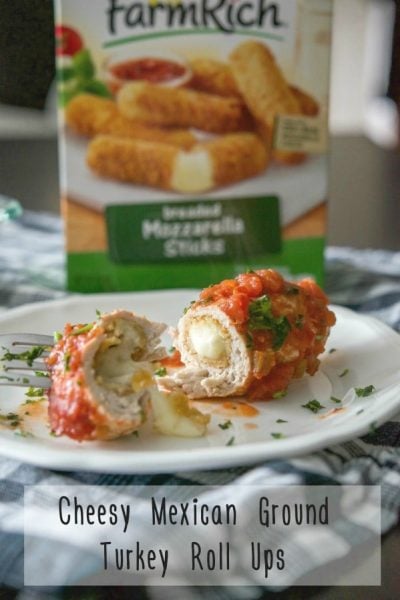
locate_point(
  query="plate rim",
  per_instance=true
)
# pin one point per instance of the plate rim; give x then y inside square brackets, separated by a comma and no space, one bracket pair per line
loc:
[160,461]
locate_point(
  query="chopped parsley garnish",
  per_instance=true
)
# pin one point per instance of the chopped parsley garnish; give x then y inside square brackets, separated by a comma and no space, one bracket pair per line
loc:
[280,394]
[336,400]
[231,441]
[25,380]
[84,329]
[41,374]
[24,433]
[171,350]
[135,433]
[57,335]
[332,350]
[6,378]
[277,436]
[67,359]
[187,307]
[28,356]
[34,392]
[313,405]
[35,401]
[281,421]
[299,322]
[261,317]
[12,419]
[98,313]
[161,372]
[344,373]
[225,425]
[249,341]
[53,433]
[364,392]
[360,411]
[319,337]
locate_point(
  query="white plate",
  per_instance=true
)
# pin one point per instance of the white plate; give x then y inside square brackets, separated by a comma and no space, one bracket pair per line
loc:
[367,348]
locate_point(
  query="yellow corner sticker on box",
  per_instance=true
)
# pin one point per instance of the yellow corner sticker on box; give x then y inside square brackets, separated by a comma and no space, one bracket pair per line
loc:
[301,134]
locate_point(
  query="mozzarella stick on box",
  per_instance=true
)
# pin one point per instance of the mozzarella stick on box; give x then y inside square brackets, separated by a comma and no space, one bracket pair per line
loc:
[90,115]
[179,107]
[264,89]
[223,161]
[135,161]
[308,104]
[213,77]
[235,157]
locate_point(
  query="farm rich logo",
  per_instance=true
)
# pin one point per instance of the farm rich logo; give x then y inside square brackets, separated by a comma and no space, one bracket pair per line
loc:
[225,15]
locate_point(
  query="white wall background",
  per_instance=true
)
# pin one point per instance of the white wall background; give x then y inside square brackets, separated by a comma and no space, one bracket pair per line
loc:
[361,54]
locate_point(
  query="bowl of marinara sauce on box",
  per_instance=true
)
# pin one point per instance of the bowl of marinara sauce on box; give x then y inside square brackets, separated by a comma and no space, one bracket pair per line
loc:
[165,69]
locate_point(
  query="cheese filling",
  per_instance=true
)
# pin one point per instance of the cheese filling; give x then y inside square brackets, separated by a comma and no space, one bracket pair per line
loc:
[192,172]
[207,340]
[117,362]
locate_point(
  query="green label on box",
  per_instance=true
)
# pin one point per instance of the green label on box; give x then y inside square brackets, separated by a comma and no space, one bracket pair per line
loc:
[199,230]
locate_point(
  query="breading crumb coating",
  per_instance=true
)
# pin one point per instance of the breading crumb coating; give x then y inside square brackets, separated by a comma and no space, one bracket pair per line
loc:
[222,161]
[179,107]
[135,161]
[89,115]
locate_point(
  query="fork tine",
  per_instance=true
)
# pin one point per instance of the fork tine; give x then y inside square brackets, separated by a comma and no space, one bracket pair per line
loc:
[21,365]
[24,381]
[17,371]
[25,339]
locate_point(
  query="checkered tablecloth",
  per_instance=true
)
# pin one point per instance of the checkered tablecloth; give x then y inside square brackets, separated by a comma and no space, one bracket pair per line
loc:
[31,269]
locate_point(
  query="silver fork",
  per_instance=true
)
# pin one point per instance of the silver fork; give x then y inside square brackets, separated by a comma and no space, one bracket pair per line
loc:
[22,359]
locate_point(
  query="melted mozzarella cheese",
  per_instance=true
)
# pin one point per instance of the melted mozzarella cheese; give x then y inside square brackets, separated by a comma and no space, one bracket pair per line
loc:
[192,172]
[207,340]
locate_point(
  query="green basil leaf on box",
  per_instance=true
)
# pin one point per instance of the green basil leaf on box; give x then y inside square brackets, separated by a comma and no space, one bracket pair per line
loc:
[83,65]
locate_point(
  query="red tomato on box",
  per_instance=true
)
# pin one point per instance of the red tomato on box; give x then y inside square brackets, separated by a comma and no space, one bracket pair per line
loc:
[68,41]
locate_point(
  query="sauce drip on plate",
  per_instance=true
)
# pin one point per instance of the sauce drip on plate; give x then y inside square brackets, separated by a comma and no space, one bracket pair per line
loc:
[226,408]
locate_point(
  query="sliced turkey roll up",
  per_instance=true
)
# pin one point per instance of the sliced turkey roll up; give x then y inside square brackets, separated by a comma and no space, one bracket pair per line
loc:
[102,374]
[251,335]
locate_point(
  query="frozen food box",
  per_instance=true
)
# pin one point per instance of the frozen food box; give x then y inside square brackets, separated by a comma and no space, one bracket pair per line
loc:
[193,139]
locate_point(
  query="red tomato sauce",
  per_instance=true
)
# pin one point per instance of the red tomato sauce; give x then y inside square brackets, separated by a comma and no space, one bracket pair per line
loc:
[153,70]
[305,307]
[173,361]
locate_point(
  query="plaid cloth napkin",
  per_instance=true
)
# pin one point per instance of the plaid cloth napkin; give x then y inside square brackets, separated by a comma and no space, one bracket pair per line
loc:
[31,269]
